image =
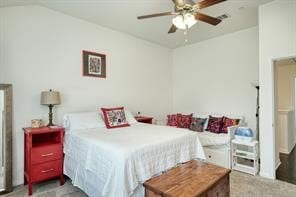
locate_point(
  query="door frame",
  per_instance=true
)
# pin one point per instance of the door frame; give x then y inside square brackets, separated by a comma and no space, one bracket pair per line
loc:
[274,117]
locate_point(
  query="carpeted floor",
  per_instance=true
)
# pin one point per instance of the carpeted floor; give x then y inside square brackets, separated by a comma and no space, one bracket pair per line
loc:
[241,185]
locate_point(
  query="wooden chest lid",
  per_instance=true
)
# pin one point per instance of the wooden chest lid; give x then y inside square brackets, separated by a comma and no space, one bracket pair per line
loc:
[189,179]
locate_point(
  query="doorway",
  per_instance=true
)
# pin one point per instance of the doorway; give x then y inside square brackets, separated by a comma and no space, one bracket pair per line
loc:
[285,124]
[1,145]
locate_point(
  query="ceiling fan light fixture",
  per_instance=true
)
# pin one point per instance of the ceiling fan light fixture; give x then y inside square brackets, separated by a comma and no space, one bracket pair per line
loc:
[184,21]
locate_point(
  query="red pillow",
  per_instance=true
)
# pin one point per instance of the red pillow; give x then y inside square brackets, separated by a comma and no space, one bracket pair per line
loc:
[215,124]
[172,120]
[228,122]
[114,117]
[184,121]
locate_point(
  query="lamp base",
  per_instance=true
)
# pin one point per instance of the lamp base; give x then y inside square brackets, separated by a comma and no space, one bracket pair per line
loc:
[50,125]
[50,116]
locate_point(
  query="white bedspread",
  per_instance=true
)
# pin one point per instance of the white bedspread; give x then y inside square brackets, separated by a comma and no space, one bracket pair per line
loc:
[124,158]
[213,139]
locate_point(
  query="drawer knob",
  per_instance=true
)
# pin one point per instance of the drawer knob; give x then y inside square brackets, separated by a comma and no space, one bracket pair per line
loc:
[45,171]
[47,155]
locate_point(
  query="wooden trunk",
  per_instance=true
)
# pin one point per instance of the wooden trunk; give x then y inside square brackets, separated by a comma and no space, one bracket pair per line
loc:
[191,179]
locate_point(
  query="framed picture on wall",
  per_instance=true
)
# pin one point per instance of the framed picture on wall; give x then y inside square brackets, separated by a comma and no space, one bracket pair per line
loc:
[93,64]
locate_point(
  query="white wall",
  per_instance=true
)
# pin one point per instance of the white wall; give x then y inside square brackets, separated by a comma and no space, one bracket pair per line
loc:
[2,52]
[277,39]
[215,75]
[1,134]
[43,49]
[285,131]
[286,86]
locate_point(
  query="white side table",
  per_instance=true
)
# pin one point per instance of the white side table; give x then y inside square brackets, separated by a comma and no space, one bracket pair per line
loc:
[245,156]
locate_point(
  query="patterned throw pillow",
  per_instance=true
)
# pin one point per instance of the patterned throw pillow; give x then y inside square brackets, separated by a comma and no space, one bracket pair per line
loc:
[114,117]
[197,124]
[215,124]
[172,120]
[184,121]
[228,122]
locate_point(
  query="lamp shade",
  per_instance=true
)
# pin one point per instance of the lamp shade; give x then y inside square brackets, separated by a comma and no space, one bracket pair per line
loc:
[50,98]
[184,21]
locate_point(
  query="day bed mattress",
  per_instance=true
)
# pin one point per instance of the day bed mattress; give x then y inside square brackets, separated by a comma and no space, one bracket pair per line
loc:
[213,139]
[122,159]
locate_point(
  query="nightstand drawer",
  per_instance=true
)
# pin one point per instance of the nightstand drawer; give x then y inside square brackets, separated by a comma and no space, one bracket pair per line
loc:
[46,153]
[46,170]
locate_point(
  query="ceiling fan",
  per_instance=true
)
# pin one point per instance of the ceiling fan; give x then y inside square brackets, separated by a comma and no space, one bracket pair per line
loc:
[187,14]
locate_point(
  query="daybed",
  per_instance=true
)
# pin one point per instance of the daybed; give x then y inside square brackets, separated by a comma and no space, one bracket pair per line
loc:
[217,146]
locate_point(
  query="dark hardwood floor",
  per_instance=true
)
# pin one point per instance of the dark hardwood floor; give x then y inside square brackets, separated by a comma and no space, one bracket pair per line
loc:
[287,170]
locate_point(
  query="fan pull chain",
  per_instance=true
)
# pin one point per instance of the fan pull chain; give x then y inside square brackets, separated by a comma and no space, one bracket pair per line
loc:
[186,34]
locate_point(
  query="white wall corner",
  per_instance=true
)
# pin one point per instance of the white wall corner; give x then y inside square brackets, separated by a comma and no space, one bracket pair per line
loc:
[266,175]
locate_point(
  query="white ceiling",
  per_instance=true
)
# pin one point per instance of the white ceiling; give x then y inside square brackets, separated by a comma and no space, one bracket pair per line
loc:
[121,15]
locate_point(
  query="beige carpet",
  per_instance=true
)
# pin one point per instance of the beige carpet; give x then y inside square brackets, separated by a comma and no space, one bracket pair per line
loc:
[241,185]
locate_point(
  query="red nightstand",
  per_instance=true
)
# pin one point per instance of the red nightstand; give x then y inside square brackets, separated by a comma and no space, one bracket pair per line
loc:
[144,119]
[43,155]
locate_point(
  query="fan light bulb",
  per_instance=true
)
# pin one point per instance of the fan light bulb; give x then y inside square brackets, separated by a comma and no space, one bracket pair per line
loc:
[184,21]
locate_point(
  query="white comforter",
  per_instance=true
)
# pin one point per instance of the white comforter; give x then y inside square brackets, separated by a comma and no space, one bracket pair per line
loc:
[124,158]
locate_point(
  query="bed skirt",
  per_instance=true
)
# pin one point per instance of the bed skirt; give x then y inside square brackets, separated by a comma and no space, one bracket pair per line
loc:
[87,181]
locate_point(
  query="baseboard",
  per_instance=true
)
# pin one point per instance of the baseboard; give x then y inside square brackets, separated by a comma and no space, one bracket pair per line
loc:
[287,151]
[292,147]
[277,164]
[18,180]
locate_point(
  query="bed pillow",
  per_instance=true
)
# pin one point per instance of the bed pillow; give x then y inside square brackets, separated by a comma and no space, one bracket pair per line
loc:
[228,122]
[114,117]
[80,121]
[129,117]
[215,124]
[197,124]
[172,120]
[184,121]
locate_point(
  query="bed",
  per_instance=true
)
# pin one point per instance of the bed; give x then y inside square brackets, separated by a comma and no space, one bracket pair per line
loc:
[115,162]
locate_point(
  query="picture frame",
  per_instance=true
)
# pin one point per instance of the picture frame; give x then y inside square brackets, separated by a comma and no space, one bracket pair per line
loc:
[93,64]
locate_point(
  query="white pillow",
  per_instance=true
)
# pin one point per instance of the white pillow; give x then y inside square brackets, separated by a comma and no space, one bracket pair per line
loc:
[129,117]
[86,120]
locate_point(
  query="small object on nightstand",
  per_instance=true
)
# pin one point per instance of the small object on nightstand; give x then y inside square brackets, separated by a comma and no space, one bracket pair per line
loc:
[245,156]
[244,134]
[43,155]
[144,119]
[36,123]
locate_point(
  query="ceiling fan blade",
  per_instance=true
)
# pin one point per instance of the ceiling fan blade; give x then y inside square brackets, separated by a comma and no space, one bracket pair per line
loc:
[207,19]
[207,3]
[173,29]
[156,15]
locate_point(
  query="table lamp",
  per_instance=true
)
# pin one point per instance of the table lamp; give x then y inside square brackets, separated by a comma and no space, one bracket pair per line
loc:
[50,98]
